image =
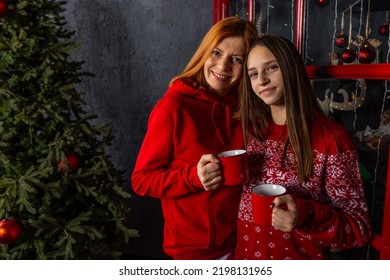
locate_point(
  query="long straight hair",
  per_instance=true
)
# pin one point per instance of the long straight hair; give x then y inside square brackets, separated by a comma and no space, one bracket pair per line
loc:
[301,104]
[228,27]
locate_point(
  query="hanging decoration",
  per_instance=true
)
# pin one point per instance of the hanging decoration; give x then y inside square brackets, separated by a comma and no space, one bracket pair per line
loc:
[71,164]
[3,7]
[384,28]
[342,40]
[349,55]
[367,46]
[322,3]
[10,231]
[367,53]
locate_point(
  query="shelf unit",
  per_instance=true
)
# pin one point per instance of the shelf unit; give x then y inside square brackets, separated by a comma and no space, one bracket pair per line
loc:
[350,71]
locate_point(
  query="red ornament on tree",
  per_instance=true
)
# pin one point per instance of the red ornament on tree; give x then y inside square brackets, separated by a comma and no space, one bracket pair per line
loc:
[322,3]
[367,53]
[341,40]
[3,7]
[384,29]
[71,164]
[10,231]
[349,55]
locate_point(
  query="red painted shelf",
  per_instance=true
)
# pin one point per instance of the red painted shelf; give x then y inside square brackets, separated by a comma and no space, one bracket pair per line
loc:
[379,71]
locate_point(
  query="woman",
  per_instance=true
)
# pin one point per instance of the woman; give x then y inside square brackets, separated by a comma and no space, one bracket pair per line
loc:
[187,128]
[291,142]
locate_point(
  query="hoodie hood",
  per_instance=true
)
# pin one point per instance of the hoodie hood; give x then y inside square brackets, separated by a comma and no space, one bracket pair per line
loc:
[229,102]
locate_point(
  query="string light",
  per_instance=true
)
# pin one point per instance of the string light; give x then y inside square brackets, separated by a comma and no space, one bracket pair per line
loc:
[268,6]
[306,34]
[292,20]
[334,24]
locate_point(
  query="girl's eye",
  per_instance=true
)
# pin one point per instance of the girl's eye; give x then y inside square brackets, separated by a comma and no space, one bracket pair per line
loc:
[272,68]
[252,75]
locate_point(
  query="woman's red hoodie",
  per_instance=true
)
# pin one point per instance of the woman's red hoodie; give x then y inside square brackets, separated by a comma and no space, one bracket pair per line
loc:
[185,124]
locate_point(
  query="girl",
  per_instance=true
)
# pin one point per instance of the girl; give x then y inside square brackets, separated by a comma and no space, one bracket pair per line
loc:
[291,142]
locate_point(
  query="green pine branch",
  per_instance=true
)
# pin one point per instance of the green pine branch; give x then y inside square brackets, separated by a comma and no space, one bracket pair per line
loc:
[65,212]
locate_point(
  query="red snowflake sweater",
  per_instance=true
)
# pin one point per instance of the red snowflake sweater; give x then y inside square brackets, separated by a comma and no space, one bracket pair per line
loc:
[331,204]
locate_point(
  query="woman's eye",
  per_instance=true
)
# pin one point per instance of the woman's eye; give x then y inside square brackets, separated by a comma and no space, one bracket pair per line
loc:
[216,53]
[237,59]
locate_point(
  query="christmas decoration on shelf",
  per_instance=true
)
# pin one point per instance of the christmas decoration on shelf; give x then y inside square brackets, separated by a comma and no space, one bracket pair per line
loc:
[3,7]
[367,53]
[341,41]
[56,179]
[348,103]
[378,138]
[10,231]
[348,55]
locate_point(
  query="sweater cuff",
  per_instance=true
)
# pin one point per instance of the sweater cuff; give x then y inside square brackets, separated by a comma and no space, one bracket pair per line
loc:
[193,179]
[305,211]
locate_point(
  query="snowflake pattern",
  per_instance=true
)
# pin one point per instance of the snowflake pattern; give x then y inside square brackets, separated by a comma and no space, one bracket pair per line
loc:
[271,245]
[338,171]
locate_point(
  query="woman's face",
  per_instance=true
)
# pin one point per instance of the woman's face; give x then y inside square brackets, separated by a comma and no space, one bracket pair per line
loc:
[265,76]
[223,69]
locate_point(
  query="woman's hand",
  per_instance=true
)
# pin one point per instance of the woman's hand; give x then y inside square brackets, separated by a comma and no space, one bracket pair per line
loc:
[285,213]
[209,172]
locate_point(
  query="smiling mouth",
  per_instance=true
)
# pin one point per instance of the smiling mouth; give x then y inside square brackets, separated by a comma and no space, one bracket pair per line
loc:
[267,90]
[221,77]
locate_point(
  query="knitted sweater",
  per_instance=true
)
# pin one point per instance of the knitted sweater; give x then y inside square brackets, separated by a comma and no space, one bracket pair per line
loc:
[331,204]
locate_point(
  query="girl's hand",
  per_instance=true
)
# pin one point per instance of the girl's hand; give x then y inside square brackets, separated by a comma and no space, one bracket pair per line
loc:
[209,172]
[285,213]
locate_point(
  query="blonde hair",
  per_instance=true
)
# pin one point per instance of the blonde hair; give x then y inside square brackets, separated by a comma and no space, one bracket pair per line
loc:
[228,27]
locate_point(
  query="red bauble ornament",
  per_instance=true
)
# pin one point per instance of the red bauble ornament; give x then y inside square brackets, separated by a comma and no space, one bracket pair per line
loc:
[384,29]
[341,40]
[322,3]
[3,7]
[71,164]
[348,55]
[367,53]
[10,231]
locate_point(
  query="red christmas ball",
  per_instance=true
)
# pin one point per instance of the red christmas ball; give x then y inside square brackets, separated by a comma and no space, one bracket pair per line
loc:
[341,40]
[348,55]
[10,231]
[384,29]
[322,3]
[71,163]
[367,54]
[3,7]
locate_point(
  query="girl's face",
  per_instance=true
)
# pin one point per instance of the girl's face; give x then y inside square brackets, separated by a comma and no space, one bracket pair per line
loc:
[223,69]
[265,76]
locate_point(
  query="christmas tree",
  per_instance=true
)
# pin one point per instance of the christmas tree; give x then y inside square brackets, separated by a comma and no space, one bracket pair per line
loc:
[60,195]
